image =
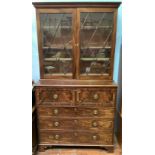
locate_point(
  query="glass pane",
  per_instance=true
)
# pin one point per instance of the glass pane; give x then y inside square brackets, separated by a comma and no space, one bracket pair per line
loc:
[95,42]
[57,43]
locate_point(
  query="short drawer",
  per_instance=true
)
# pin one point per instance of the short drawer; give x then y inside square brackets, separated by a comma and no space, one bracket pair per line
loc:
[75,112]
[56,137]
[102,138]
[76,123]
[91,96]
[54,95]
[76,137]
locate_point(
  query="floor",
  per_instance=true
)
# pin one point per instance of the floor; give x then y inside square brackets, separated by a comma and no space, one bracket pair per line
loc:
[71,151]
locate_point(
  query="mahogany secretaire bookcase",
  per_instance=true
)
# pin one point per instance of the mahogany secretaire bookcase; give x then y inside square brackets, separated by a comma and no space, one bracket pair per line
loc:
[76,94]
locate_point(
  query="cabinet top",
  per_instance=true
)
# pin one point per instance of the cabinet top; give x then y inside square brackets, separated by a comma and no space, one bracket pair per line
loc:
[76,83]
[76,4]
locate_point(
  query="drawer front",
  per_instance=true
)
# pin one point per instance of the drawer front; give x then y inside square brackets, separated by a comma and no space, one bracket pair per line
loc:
[76,112]
[90,96]
[56,137]
[95,138]
[76,137]
[76,123]
[58,96]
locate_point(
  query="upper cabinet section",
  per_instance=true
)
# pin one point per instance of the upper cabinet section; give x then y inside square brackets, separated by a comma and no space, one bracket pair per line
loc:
[75,41]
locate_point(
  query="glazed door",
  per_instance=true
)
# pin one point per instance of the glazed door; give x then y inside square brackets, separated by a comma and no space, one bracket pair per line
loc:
[96,36]
[56,39]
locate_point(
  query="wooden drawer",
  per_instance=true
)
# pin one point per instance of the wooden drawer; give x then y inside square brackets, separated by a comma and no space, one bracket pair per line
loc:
[76,137]
[76,123]
[104,97]
[75,112]
[56,137]
[90,96]
[104,138]
[56,96]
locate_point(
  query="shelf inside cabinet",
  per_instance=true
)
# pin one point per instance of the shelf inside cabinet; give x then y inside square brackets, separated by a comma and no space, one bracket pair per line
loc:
[70,47]
[54,27]
[95,27]
[61,47]
[59,74]
[96,47]
[87,27]
[57,59]
[95,59]
[94,74]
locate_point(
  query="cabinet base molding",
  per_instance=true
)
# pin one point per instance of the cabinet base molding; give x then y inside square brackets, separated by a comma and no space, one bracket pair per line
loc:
[44,147]
[109,149]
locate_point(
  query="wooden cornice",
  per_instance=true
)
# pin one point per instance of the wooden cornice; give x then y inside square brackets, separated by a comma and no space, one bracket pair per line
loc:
[76,4]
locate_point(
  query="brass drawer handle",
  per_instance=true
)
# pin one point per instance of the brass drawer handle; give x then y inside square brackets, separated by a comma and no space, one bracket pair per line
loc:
[56,111]
[75,121]
[94,137]
[78,97]
[57,137]
[56,124]
[96,96]
[94,124]
[95,112]
[75,109]
[55,96]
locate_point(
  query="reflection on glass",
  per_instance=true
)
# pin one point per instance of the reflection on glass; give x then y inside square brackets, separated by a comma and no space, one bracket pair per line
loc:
[57,43]
[95,42]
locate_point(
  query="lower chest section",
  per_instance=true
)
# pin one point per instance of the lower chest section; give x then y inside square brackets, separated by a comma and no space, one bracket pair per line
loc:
[76,115]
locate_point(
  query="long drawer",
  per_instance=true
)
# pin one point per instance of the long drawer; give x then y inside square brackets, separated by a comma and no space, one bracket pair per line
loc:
[84,123]
[76,137]
[75,111]
[104,97]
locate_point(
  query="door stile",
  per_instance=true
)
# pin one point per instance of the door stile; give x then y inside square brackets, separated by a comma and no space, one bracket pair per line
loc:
[113,43]
[78,44]
[40,44]
[73,43]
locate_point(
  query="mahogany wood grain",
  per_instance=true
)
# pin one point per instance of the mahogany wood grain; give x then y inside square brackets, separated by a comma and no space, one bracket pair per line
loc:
[77,123]
[76,137]
[52,95]
[75,111]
